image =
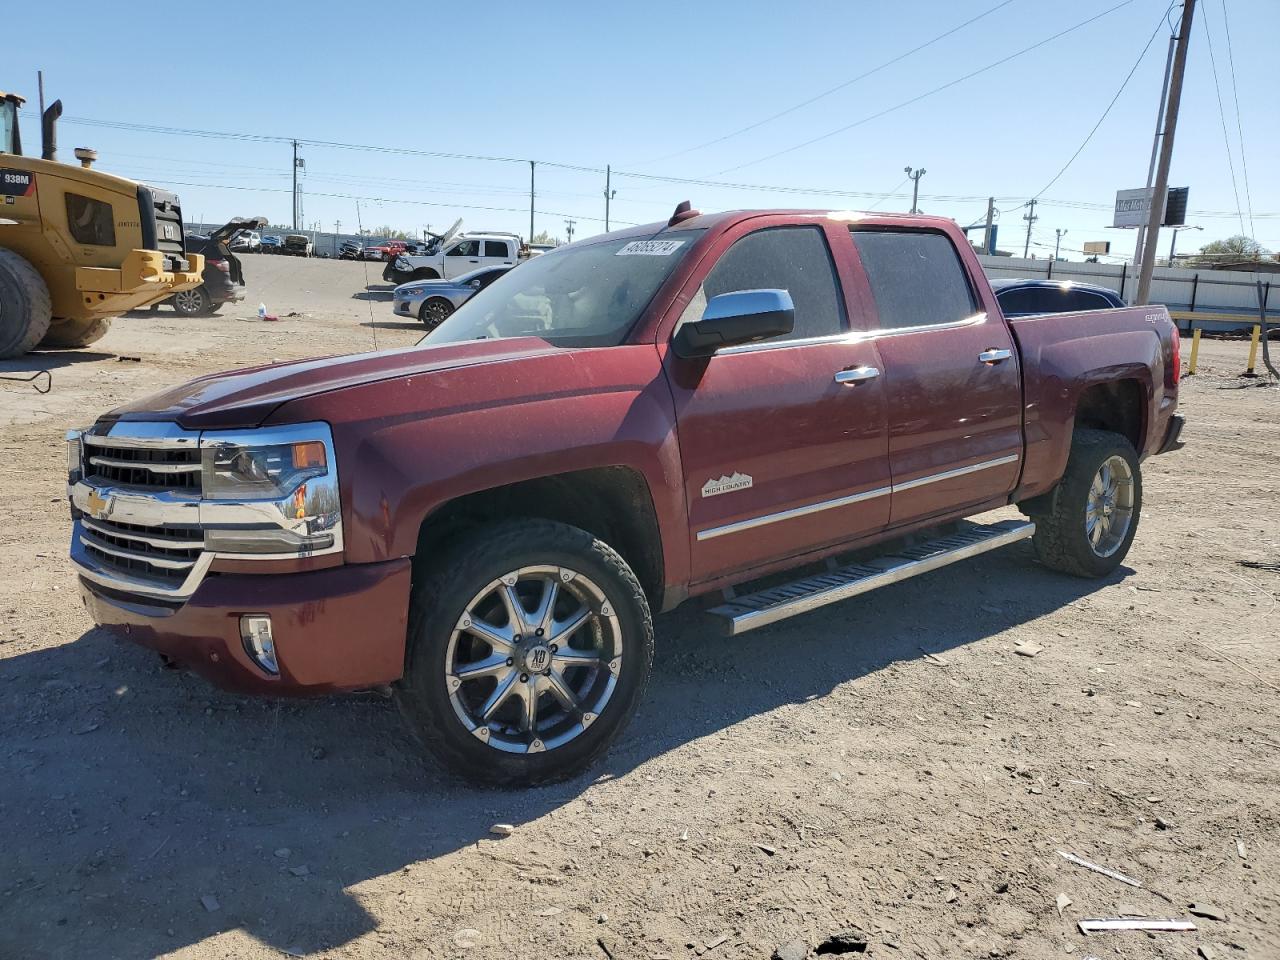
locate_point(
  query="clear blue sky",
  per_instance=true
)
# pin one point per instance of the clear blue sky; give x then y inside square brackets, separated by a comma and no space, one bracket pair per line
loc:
[637,85]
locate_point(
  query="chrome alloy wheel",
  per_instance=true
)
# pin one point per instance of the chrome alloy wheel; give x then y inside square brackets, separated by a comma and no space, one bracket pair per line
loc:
[1109,510]
[188,301]
[534,659]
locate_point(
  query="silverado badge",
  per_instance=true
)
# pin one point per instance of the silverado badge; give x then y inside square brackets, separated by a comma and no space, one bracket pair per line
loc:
[739,481]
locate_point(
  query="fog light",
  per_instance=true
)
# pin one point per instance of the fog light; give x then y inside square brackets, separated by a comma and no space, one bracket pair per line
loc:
[255,631]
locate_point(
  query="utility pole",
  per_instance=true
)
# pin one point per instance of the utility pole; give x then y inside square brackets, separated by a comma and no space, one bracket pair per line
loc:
[1155,141]
[914,177]
[296,164]
[1059,234]
[1030,217]
[532,164]
[40,84]
[987,246]
[337,232]
[1161,187]
[608,195]
[568,228]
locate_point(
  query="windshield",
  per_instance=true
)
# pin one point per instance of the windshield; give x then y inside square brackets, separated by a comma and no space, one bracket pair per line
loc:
[8,126]
[587,296]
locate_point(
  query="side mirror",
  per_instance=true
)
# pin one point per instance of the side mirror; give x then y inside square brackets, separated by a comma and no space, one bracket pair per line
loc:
[732,318]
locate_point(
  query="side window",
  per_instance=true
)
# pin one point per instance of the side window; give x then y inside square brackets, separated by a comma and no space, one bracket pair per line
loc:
[795,259]
[90,221]
[1084,300]
[488,278]
[496,248]
[467,248]
[916,277]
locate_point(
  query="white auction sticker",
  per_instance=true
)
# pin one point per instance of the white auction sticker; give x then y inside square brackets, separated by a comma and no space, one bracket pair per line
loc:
[650,248]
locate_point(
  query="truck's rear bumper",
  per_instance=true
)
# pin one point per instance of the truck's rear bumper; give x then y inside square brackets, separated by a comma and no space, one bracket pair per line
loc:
[336,629]
[1173,434]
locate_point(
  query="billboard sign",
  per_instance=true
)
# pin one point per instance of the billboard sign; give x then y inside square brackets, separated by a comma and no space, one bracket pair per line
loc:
[1134,206]
[1097,246]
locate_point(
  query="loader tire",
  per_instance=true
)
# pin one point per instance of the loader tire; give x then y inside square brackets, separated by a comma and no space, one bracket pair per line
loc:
[70,335]
[25,306]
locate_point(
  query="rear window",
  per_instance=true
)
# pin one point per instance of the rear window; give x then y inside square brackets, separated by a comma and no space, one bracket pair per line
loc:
[916,278]
[90,221]
[495,248]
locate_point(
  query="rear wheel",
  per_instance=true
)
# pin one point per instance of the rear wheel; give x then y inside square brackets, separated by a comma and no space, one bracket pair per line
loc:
[529,647]
[1087,524]
[192,303]
[435,311]
[69,335]
[25,307]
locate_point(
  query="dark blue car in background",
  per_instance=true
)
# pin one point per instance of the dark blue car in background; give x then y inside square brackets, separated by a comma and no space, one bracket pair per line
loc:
[1023,298]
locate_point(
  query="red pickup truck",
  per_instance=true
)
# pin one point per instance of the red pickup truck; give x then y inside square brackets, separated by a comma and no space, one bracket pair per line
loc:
[485,522]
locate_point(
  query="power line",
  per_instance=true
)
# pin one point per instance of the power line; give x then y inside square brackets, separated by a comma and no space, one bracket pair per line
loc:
[1235,96]
[1222,114]
[1134,69]
[418,203]
[830,90]
[926,94]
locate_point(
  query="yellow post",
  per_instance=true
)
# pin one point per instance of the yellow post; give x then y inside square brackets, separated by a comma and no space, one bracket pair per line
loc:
[1195,351]
[1253,349]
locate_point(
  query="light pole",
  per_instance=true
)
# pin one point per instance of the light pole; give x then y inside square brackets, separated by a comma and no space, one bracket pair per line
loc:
[914,176]
[1174,242]
[609,194]
[1059,234]
[568,228]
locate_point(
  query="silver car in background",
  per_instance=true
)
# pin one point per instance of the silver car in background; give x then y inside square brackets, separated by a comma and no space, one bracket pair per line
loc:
[432,301]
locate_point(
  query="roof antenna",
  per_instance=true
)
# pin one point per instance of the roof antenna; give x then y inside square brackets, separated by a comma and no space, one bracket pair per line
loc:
[684,211]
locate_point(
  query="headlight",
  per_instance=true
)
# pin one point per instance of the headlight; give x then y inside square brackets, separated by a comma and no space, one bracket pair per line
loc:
[270,491]
[260,470]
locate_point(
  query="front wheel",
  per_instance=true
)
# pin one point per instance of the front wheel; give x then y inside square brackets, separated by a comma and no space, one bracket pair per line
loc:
[529,647]
[1086,526]
[435,311]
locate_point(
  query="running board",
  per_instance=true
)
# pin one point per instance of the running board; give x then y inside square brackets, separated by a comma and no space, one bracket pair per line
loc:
[778,603]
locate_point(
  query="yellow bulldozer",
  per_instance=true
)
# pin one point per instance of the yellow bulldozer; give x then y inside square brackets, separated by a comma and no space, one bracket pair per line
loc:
[78,246]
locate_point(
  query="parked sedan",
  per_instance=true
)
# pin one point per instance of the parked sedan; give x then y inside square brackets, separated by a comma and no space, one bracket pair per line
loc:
[432,301]
[1024,298]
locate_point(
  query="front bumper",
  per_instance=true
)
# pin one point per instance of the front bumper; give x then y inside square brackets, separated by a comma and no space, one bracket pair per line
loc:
[141,280]
[334,630]
[407,308]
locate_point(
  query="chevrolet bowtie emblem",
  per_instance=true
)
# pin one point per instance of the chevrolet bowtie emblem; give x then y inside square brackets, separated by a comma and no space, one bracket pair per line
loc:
[98,507]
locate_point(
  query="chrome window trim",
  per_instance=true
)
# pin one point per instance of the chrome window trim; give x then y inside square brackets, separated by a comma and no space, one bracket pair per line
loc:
[853,336]
[710,533]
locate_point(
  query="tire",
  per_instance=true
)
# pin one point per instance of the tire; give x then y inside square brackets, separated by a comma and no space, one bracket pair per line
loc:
[424,273]
[1064,540]
[449,590]
[435,311]
[26,310]
[72,335]
[192,303]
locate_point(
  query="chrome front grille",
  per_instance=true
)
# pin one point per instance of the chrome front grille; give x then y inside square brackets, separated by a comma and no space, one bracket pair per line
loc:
[165,554]
[154,465]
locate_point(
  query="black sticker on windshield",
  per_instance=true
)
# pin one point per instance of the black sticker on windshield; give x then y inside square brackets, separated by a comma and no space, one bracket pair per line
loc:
[16,183]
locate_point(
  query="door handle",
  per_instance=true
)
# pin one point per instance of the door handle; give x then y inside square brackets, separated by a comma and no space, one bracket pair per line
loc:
[473,261]
[856,375]
[994,356]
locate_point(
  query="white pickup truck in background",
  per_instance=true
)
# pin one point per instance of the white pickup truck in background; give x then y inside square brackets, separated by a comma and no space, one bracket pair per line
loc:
[453,254]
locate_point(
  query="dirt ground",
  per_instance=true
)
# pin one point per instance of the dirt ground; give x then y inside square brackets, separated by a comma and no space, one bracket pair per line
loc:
[887,766]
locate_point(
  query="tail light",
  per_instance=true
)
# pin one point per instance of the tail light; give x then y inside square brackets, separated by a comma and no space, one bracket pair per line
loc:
[220,264]
[1173,372]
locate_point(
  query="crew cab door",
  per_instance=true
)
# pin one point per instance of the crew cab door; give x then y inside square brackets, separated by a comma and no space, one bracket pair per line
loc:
[461,257]
[498,253]
[951,377]
[783,441]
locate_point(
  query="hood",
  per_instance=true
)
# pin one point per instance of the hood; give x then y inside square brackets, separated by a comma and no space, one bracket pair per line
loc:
[426,285]
[245,398]
[451,232]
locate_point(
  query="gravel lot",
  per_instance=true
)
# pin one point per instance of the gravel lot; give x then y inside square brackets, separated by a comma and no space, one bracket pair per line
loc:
[887,766]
